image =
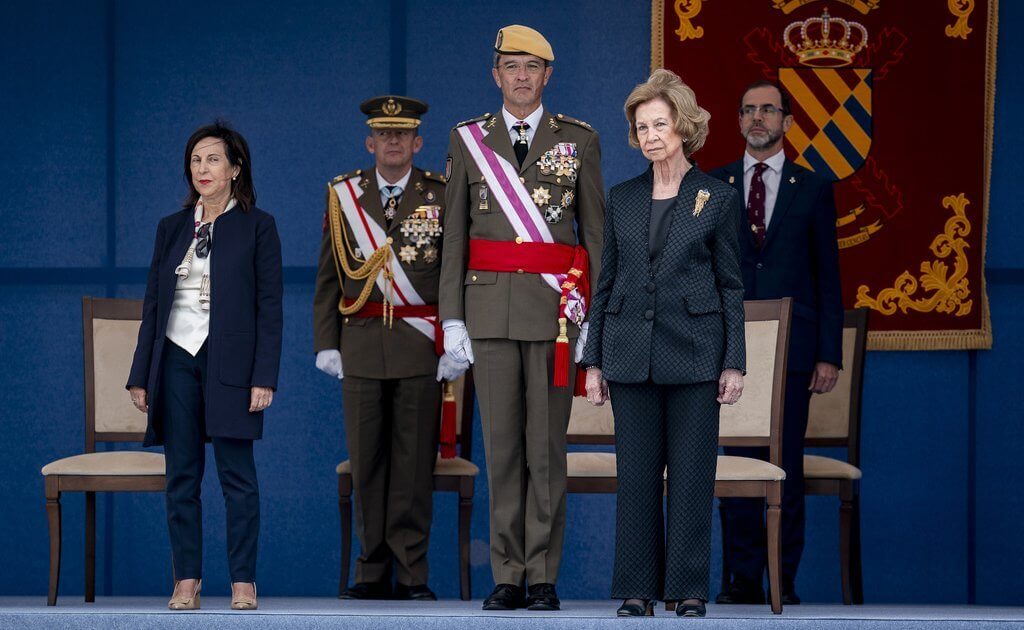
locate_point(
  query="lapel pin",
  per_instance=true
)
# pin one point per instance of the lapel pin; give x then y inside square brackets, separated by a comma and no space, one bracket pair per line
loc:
[792,180]
[732,179]
[702,198]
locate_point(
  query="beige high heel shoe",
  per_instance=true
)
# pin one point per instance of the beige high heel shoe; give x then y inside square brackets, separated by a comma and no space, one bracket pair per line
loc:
[186,603]
[244,602]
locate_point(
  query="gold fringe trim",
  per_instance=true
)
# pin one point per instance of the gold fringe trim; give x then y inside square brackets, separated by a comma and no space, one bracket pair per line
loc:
[930,340]
[657,34]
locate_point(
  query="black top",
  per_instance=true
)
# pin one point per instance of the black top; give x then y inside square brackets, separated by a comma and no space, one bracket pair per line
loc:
[661,218]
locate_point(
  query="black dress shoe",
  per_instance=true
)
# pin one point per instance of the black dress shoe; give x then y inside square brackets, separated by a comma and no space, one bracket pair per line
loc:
[504,597]
[790,598]
[741,592]
[419,592]
[691,610]
[367,590]
[644,609]
[543,597]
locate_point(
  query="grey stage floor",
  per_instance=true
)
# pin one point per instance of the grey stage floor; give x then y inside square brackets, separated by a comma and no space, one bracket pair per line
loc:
[315,613]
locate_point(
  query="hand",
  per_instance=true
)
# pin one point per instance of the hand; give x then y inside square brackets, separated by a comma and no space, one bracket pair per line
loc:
[597,387]
[448,369]
[139,398]
[260,398]
[730,386]
[329,362]
[456,341]
[581,342]
[824,377]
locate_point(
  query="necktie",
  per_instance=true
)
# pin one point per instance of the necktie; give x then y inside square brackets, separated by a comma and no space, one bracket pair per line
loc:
[392,197]
[521,144]
[755,203]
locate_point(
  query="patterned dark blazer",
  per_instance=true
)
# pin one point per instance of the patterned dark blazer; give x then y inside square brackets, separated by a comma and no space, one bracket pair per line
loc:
[681,321]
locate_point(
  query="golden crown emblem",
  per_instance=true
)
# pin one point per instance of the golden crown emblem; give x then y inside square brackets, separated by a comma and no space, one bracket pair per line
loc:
[391,108]
[826,41]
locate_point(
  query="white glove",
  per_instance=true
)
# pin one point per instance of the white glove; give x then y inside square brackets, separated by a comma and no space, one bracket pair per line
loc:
[448,369]
[329,362]
[581,342]
[456,341]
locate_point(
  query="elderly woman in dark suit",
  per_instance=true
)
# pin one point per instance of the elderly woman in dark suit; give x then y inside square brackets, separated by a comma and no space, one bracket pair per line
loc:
[206,363]
[667,341]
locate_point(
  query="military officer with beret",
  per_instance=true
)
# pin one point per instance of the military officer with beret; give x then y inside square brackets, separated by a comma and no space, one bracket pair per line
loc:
[522,232]
[376,329]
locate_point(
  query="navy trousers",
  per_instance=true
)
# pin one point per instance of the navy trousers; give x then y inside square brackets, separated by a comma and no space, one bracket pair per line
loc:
[743,528]
[182,398]
[658,426]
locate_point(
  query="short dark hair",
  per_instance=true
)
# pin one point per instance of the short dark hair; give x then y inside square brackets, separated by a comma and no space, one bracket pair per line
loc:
[783,94]
[236,149]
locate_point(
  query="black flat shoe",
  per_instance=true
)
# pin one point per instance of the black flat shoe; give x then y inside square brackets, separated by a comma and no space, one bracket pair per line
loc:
[504,597]
[417,592]
[741,592]
[691,610]
[790,598]
[646,609]
[367,590]
[543,597]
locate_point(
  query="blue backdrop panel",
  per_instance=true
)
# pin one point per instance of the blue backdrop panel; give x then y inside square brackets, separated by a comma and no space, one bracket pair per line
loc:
[53,105]
[288,76]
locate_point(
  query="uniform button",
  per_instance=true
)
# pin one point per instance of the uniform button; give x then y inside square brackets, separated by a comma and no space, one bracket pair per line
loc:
[346,320]
[760,265]
[558,180]
[651,287]
[519,271]
[649,315]
[519,240]
[522,180]
[473,278]
[390,240]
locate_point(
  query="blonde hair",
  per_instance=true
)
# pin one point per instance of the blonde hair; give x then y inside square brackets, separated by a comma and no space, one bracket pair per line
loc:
[689,119]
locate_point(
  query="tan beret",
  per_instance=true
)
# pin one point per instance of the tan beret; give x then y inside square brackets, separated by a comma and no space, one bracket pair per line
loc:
[517,40]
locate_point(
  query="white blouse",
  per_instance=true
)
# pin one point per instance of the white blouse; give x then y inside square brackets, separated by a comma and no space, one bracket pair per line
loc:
[189,323]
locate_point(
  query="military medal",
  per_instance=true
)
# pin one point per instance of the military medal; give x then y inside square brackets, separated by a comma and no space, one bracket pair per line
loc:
[702,198]
[389,210]
[541,196]
[568,197]
[408,254]
[484,206]
[553,214]
[430,196]
[429,254]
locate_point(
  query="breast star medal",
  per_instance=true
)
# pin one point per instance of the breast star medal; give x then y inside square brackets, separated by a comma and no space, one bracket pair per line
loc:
[702,198]
[408,254]
[541,196]
[429,254]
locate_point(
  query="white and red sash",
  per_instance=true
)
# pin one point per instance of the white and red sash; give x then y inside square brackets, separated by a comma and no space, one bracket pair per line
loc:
[515,201]
[370,237]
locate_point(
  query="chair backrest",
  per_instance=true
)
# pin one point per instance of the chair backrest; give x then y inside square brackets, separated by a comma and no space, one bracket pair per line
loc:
[750,422]
[834,418]
[110,332]
[756,420]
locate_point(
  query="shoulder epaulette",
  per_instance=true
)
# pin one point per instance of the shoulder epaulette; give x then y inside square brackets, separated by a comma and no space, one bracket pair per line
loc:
[473,120]
[341,178]
[435,177]
[570,119]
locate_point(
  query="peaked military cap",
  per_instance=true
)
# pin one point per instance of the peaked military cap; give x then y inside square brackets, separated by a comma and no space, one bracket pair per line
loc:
[393,112]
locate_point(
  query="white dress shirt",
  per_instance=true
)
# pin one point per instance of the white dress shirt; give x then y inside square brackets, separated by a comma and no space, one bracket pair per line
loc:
[402,185]
[533,120]
[772,177]
[189,323]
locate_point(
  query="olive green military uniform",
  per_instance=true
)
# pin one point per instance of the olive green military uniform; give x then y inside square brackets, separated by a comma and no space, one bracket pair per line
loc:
[390,397]
[512,320]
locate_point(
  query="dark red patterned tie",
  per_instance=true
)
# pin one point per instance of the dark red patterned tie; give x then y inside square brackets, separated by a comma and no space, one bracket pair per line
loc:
[755,203]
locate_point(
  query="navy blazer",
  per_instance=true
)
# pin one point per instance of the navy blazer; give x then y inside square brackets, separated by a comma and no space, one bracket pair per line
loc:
[244,342]
[799,259]
[681,320]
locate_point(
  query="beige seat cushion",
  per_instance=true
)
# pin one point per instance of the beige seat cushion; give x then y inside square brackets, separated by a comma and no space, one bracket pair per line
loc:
[732,468]
[122,463]
[818,467]
[454,467]
[586,464]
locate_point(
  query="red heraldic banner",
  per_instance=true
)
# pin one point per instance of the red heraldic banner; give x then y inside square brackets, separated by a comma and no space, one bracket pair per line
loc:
[892,101]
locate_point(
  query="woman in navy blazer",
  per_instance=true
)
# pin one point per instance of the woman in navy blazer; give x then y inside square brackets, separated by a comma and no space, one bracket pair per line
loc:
[209,346]
[667,337]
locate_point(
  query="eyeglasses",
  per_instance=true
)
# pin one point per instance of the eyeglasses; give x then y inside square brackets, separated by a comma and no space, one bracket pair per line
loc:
[203,243]
[513,67]
[766,110]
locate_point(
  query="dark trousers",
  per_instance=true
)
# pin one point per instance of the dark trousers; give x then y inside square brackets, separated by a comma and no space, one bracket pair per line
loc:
[392,430]
[182,398]
[658,426]
[743,529]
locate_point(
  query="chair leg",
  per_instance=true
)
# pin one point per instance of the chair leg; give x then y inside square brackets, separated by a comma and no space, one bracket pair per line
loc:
[856,569]
[845,512]
[53,521]
[465,519]
[345,510]
[774,520]
[90,546]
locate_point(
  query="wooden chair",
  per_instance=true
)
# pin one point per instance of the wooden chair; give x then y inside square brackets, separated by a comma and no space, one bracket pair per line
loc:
[834,420]
[756,420]
[456,474]
[111,328]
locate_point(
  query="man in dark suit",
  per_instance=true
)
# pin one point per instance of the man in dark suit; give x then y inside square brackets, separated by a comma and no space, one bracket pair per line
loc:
[788,249]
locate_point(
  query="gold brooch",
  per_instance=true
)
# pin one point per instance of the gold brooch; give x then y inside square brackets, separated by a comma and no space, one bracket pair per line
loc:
[702,198]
